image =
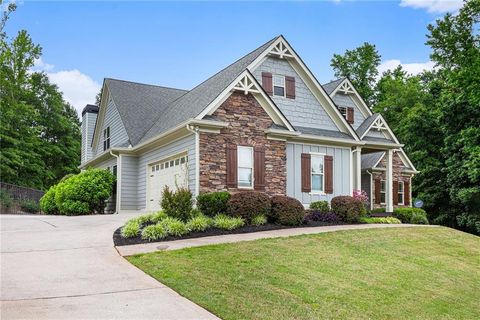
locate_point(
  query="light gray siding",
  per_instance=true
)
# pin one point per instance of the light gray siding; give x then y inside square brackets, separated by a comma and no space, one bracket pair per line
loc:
[185,144]
[304,110]
[107,163]
[88,126]
[344,100]
[341,171]
[129,179]
[376,134]
[118,134]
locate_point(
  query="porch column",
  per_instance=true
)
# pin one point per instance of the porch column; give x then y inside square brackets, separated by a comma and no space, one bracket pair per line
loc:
[389,182]
[357,182]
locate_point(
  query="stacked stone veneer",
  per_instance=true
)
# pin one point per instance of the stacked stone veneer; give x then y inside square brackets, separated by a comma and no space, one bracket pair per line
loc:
[247,124]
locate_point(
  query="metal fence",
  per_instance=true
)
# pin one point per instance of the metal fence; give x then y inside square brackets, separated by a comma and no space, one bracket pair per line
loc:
[19,200]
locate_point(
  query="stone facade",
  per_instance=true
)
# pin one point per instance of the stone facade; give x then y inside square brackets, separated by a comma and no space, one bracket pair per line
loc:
[247,124]
[397,166]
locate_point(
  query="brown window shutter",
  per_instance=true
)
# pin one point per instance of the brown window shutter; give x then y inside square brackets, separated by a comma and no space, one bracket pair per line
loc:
[350,115]
[259,169]
[395,192]
[306,168]
[377,191]
[328,169]
[406,190]
[232,166]
[290,87]
[267,82]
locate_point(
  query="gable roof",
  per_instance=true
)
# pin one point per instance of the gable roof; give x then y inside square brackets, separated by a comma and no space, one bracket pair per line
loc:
[332,85]
[363,128]
[140,105]
[370,160]
[193,102]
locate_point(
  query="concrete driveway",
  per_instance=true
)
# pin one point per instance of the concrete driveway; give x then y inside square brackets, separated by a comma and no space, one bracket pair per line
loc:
[56,267]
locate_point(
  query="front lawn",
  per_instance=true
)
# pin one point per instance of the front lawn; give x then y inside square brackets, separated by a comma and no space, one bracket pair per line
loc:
[395,273]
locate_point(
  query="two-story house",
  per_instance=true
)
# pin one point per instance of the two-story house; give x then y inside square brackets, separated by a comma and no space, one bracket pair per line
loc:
[263,123]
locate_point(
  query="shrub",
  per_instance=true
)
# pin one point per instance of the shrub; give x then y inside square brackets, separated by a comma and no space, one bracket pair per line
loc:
[154,232]
[5,199]
[287,211]
[320,206]
[177,204]
[199,223]
[406,215]
[225,222]
[213,203]
[143,219]
[47,202]
[247,205]
[174,226]
[67,176]
[157,216]
[259,220]
[130,229]
[383,220]
[30,206]
[347,208]
[313,215]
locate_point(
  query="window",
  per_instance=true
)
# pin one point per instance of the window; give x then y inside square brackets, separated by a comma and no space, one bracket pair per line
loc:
[114,170]
[343,111]
[317,173]
[245,167]
[278,85]
[401,192]
[383,189]
[106,138]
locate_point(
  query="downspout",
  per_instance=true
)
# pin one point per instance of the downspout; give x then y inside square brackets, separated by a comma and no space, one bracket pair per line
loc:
[195,130]
[119,182]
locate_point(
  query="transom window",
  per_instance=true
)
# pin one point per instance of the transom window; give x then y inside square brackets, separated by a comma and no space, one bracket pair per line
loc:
[106,138]
[278,85]
[383,193]
[318,179]
[343,111]
[401,193]
[245,167]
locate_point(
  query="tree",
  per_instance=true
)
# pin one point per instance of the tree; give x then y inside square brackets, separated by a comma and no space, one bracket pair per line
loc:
[39,131]
[360,65]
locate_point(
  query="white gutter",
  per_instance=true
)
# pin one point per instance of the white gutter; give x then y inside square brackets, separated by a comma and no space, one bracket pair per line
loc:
[119,181]
[195,130]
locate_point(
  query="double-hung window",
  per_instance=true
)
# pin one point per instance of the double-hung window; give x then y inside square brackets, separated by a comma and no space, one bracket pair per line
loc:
[245,167]
[401,193]
[106,138]
[278,85]
[318,179]
[343,111]
[383,193]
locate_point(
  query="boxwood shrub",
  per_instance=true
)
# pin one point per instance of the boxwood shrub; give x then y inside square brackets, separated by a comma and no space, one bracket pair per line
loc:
[320,206]
[213,203]
[381,220]
[347,208]
[247,205]
[287,211]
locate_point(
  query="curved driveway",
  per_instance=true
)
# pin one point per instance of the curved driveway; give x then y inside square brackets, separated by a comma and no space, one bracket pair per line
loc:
[56,267]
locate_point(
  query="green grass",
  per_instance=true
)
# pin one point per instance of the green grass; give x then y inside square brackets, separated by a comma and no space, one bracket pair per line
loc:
[395,273]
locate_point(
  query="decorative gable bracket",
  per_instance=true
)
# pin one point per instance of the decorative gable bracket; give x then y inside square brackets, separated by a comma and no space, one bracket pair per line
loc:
[379,124]
[247,85]
[281,50]
[346,88]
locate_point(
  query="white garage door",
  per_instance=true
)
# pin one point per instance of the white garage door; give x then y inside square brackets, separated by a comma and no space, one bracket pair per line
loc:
[172,173]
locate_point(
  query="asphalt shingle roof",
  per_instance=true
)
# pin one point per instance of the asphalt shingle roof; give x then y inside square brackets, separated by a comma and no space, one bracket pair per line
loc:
[332,85]
[370,159]
[366,124]
[324,133]
[374,139]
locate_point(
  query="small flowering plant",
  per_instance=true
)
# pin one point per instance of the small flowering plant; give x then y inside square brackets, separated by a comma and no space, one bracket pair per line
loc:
[360,195]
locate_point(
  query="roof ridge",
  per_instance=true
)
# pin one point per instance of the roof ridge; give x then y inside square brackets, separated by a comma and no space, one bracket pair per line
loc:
[342,78]
[147,84]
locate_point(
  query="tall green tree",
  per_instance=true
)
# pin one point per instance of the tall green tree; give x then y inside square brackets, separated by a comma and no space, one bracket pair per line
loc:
[39,131]
[360,65]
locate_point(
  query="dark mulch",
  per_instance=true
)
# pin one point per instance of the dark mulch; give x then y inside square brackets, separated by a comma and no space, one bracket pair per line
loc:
[118,240]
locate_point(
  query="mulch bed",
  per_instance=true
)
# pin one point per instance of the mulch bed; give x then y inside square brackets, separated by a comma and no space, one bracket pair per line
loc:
[118,240]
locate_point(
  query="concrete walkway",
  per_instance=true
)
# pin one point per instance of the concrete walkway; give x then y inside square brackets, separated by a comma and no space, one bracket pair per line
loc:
[56,267]
[180,244]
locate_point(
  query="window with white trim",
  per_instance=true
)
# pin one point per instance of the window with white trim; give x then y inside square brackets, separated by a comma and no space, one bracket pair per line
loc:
[343,111]
[318,178]
[278,85]
[383,191]
[106,138]
[401,193]
[245,167]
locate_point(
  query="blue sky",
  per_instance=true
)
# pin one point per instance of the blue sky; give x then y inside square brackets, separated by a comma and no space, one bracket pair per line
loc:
[181,44]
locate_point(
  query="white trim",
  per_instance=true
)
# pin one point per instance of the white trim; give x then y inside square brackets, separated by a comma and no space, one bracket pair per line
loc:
[362,106]
[380,124]
[322,156]
[319,145]
[406,160]
[252,167]
[278,76]
[403,193]
[379,160]
[371,189]
[195,130]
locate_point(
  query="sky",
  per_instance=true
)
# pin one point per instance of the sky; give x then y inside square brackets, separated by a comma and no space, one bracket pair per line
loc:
[181,44]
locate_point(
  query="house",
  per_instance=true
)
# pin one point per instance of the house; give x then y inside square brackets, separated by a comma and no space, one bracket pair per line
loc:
[263,123]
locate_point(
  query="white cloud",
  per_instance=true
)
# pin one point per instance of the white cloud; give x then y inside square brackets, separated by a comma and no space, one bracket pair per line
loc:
[411,68]
[78,88]
[433,6]
[40,65]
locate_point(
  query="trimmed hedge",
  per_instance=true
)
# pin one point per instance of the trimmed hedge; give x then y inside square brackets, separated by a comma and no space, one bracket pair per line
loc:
[381,220]
[287,211]
[320,206]
[347,208]
[411,215]
[213,203]
[84,193]
[247,205]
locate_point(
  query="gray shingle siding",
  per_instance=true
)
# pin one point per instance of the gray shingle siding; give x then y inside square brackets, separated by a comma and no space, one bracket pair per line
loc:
[304,110]
[118,134]
[341,171]
[185,144]
[129,179]
[344,100]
